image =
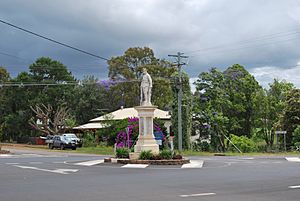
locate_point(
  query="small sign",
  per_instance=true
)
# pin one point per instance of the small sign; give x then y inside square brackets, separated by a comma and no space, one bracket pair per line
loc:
[280,132]
[158,135]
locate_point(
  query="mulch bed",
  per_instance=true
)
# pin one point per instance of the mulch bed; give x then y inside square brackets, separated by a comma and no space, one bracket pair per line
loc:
[150,162]
[4,152]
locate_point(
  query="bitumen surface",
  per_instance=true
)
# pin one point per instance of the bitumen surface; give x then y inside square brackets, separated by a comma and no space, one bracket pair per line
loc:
[32,175]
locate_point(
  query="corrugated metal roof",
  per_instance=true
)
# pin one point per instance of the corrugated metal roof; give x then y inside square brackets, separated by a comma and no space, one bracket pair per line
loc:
[130,112]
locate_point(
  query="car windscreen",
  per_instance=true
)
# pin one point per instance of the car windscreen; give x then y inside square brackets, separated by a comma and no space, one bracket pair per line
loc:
[66,138]
[71,135]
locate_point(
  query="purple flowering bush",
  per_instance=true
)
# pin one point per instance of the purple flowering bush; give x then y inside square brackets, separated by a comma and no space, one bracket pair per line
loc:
[107,84]
[128,139]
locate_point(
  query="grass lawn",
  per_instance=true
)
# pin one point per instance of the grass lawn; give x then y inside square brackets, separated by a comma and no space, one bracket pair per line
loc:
[196,153]
[105,150]
[102,150]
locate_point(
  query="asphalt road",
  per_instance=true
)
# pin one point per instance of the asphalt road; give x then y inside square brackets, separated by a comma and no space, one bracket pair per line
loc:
[31,175]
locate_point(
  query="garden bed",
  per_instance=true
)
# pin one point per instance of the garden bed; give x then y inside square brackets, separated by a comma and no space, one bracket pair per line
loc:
[4,152]
[150,162]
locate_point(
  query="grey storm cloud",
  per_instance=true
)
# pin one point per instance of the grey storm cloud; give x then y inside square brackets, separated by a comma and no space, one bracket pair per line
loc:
[214,33]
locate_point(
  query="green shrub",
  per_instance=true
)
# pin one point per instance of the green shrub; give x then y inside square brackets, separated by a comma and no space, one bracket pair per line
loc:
[122,153]
[166,154]
[201,146]
[296,135]
[146,155]
[296,145]
[89,140]
[243,143]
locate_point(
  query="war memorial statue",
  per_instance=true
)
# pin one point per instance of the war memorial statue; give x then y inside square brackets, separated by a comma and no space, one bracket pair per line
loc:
[146,88]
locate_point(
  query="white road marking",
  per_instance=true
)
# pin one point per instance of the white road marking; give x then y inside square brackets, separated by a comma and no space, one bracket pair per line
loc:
[90,163]
[28,156]
[12,163]
[135,166]
[59,171]
[197,195]
[5,155]
[293,187]
[193,164]
[248,158]
[293,159]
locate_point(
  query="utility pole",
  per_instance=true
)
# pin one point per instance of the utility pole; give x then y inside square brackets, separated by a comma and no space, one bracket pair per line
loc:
[178,63]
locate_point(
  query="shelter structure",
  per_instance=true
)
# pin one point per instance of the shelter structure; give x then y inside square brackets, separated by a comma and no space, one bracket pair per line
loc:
[123,113]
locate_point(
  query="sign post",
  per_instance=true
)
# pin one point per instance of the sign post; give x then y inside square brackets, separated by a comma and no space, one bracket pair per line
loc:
[284,138]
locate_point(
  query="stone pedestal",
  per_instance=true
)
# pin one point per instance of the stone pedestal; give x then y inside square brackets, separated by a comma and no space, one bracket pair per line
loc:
[146,140]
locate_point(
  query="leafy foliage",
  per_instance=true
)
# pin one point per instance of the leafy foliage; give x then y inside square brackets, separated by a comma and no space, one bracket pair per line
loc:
[122,153]
[146,155]
[269,110]
[225,102]
[89,140]
[291,117]
[127,69]
[166,154]
[243,143]
[296,135]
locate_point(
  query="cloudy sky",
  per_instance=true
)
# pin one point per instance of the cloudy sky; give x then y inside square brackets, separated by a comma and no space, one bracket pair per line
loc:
[261,35]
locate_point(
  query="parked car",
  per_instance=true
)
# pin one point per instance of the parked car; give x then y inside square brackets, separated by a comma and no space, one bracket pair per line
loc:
[49,139]
[60,141]
[72,136]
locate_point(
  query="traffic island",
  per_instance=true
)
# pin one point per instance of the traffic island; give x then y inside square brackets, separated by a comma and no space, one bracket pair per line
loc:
[149,162]
[4,151]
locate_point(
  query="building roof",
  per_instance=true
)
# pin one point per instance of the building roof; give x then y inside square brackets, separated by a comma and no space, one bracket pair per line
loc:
[95,125]
[124,113]
[120,114]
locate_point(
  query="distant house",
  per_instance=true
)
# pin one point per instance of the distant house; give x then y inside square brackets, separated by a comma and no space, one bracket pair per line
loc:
[123,113]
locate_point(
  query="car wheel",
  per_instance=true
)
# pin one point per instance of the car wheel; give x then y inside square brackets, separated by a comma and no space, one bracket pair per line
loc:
[51,146]
[62,147]
[74,148]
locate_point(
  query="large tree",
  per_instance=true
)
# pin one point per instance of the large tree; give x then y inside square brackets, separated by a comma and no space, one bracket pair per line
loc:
[240,88]
[291,113]
[91,99]
[269,109]
[4,109]
[127,70]
[56,83]
[50,121]
[47,82]
[229,102]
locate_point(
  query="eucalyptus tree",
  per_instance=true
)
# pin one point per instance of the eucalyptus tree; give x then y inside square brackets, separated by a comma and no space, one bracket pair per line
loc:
[291,117]
[269,110]
[229,104]
[127,69]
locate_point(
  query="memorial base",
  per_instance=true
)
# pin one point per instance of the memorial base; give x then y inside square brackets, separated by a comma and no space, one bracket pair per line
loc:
[146,140]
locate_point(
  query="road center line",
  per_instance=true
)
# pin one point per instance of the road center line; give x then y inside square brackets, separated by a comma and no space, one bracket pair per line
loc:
[294,187]
[35,162]
[197,195]
[12,163]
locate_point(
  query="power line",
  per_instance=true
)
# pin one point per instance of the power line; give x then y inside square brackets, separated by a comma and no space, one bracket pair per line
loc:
[54,41]
[249,42]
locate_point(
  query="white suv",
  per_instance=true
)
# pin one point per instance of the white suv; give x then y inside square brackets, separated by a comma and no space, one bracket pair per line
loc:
[72,136]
